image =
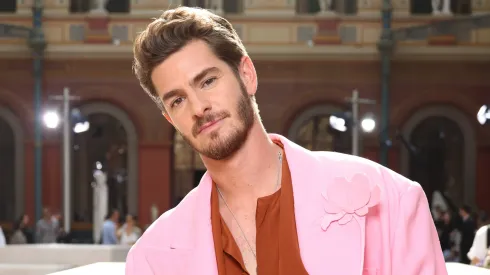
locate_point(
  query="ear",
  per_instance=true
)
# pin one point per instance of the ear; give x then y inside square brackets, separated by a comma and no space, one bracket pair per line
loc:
[167,118]
[248,75]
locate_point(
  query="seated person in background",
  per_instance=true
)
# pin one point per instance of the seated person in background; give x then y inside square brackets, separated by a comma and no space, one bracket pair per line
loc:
[129,233]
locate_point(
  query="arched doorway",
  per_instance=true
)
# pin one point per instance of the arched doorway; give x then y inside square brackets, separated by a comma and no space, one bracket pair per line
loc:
[11,166]
[438,163]
[311,129]
[188,169]
[445,153]
[112,142]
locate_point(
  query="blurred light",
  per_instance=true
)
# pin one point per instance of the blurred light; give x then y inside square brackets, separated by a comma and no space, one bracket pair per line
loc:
[483,114]
[338,123]
[81,127]
[368,124]
[51,119]
[98,165]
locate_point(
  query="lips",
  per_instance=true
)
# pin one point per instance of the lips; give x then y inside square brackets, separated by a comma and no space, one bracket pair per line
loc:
[208,124]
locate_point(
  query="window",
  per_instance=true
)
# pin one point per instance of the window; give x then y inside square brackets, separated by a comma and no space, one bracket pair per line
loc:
[79,6]
[338,6]
[233,6]
[118,6]
[347,6]
[8,6]
[421,7]
[456,7]
[461,6]
[195,3]
[112,6]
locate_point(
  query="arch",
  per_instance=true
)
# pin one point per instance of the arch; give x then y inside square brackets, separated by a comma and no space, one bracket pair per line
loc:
[303,117]
[16,126]
[132,139]
[464,124]
[311,129]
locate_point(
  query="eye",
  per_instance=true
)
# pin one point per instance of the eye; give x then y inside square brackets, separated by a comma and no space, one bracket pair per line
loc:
[209,82]
[176,102]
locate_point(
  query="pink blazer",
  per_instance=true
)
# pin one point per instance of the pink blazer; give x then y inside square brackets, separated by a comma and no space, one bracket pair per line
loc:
[353,216]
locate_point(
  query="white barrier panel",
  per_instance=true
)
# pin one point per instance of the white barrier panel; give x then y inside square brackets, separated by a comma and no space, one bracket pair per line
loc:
[31,269]
[463,269]
[118,269]
[95,269]
[68,254]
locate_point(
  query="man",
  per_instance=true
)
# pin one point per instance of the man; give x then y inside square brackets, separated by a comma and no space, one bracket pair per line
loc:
[46,228]
[467,227]
[109,228]
[265,205]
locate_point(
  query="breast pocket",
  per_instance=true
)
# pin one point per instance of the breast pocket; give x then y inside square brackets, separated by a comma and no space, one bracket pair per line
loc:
[370,271]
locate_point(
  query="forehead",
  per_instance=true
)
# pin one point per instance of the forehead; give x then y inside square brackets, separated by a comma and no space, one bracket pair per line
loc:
[184,65]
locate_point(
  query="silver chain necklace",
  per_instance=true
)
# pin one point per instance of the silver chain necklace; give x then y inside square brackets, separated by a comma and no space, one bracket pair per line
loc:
[279,170]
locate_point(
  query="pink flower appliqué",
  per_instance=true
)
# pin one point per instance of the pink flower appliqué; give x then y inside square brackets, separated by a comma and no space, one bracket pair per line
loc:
[346,199]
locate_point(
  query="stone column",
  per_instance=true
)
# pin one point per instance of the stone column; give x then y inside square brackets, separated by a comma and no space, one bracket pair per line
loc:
[446,7]
[269,7]
[369,7]
[326,7]
[98,7]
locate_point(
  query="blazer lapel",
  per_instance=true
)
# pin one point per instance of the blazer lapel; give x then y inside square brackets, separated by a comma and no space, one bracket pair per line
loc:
[191,250]
[204,261]
[331,240]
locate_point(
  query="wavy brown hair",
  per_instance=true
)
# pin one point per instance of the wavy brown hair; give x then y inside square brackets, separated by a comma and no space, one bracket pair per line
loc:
[172,31]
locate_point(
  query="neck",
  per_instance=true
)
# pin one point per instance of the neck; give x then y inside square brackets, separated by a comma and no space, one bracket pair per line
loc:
[251,172]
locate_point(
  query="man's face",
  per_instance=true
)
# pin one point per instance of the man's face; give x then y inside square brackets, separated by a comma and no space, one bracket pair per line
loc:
[47,213]
[116,215]
[205,100]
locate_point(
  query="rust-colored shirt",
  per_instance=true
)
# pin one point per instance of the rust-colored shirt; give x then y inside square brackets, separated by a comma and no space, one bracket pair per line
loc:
[277,240]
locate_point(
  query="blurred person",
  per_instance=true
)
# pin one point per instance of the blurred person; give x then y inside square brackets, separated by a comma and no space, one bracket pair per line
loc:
[265,205]
[129,233]
[21,233]
[467,227]
[479,249]
[3,241]
[46,228]
[448,237]
[109,228]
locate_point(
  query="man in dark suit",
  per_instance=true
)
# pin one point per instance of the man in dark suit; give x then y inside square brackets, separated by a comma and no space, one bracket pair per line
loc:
[467,228]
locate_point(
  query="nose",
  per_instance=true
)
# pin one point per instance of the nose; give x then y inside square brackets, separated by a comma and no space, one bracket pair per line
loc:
[199,104]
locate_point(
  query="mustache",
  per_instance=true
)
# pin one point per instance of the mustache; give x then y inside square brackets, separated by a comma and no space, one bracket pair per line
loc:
[208,118]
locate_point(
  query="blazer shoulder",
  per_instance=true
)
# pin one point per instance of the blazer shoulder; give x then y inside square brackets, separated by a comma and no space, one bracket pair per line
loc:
[345,165]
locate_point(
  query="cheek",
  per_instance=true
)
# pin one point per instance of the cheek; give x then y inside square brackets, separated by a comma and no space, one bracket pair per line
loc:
[182,125]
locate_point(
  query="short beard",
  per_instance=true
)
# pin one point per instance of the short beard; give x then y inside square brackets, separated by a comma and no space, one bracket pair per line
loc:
[222,148]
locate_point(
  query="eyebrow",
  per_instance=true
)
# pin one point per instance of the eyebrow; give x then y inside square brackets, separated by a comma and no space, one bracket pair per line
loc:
[198,78]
